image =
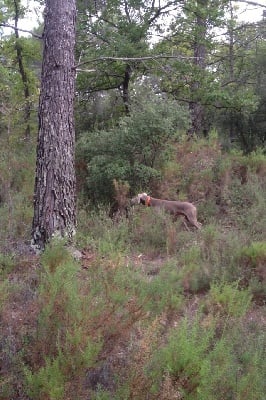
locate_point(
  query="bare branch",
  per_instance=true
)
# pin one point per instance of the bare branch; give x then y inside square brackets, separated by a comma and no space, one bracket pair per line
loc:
[160,10]
[250,3]
[21,30]
[85,70]
[134,59]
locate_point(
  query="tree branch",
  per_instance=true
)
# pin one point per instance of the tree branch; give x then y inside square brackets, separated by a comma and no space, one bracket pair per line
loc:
[133,59]
[4,25]
[250,3]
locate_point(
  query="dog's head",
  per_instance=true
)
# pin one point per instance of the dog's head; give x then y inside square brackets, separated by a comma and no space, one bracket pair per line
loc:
[139,199]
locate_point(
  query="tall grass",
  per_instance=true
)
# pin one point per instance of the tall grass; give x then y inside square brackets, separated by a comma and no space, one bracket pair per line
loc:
[151,311]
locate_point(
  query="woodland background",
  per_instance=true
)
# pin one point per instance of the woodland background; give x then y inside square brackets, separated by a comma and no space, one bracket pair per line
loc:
[149,310]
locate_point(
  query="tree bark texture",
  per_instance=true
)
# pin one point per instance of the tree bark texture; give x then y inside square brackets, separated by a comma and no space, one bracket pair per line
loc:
[197,111]
[55,183]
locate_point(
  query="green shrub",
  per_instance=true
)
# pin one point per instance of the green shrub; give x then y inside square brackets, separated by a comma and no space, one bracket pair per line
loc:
[55,255]
[255,161]
[227,299]
[195,364]
[99,233]
[250,381]
[208,211]
[16,220]
[114,240]
[248,205]
[218,373]
[234,368]
[5,288]
[48,382]
[133,151]
[254,254]
[193,273]
[17,163]
[153,232]
[183,355]
[7,264]
[148,231]
[60,303]
[62,341]
[164,293]
[252,258]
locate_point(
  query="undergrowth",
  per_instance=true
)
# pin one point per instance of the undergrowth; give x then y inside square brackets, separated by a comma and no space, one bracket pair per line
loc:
[150,310]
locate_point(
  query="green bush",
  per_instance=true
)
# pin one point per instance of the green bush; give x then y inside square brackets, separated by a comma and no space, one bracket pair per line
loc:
[51,379]
[55,255]
[164,292]
[234,368]
[254,254]
[228,300]
[182,357]
[148,231]
[133,151]
[4,292]
[62,344]
[247,203]
[7,263]
[252,258]
[102,235]
[198,365]
[251,370]
[218,373]
[48,382]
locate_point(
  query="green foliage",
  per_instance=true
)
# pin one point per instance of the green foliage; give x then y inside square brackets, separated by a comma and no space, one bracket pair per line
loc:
[183,355]
[133,151]
[7,263]
[121,323]
[114,240]
[252,259]
[255,254]
[119,34]
[19,88]
[228,299]
[164,293]
[17,163]
[47,382]
[56,255]
[200,366]
[65,346]
[148,231]
[61,306]
[196,356]
[4,292]
[228,370]
[248,203]
[218,375]
[98,232]
[251,382]
[50,380]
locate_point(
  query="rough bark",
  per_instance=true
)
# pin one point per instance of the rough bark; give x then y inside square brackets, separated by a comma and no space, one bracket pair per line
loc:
[197,112]
[125,87]
[55,183]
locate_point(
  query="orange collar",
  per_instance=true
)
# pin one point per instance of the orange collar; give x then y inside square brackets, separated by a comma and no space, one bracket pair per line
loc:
[148,201]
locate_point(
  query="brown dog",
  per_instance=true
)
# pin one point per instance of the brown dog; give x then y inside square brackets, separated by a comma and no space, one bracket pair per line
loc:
[175,208]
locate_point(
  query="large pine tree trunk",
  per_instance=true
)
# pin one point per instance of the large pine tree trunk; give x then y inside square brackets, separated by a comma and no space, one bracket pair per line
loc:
[54,194]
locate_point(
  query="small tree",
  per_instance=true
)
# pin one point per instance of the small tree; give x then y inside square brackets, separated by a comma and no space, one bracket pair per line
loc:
[54,194]
[135,149]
